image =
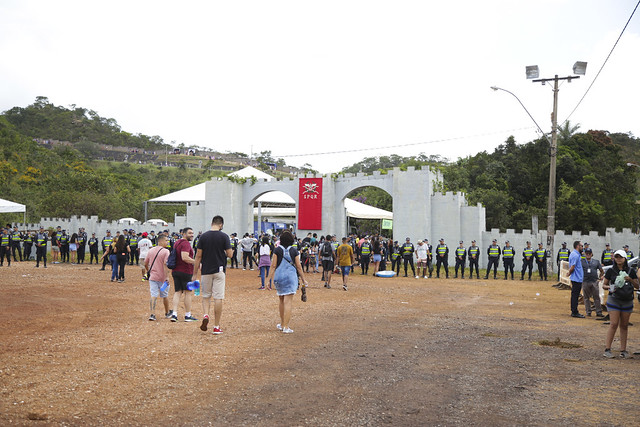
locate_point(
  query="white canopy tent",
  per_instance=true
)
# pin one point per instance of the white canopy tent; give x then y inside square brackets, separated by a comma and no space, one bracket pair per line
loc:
[7,206]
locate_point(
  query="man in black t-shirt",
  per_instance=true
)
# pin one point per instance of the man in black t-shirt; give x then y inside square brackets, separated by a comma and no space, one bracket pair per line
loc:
[214,247]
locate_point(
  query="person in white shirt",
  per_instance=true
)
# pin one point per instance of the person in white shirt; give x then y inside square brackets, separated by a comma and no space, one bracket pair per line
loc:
[421,257]
[144,245]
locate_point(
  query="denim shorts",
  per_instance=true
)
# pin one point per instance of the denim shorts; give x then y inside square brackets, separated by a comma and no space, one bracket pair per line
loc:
[377,258]
[346,269]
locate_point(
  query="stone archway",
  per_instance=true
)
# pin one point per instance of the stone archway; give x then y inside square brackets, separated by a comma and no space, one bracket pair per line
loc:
[417,207]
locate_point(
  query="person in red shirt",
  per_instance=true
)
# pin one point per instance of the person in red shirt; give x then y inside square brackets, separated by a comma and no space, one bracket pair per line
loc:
[182,274]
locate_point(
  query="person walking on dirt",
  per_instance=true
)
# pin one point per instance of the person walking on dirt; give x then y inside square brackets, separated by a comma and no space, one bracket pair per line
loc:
[577,275]
[328,258]
[214,247]
[346,259]
[156,264]
[619,305]
[285,270]
[183,274]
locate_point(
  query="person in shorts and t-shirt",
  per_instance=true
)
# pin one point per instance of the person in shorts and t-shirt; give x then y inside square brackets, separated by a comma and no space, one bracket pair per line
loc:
[182,274]
[144,245]
[345,260]
[156,264]
[214,247]
[327,260]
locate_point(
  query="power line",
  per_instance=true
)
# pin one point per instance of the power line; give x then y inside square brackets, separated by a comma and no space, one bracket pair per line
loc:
[605,63]
[356,150]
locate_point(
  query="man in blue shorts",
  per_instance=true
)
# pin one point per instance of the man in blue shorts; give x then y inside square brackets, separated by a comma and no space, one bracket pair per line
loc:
[345,260]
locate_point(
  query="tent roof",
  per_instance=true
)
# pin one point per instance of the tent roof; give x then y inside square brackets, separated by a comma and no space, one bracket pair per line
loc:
[189,194]
[250,171]
[7,206]
[360,210]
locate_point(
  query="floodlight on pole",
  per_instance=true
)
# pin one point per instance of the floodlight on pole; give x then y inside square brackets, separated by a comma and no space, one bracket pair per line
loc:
[532,72]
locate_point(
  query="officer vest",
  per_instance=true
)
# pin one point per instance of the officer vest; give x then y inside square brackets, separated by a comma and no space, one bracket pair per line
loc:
[107,241]
[28,239]
[473,250]
[494,251]
[441,249]
[407,248]
[563,255]
[395,254]
[365,249]
[41,239]
[64,239]
[540,253]
[15,237]
[4,240]
[460,252]
[507,252]
[133,241]
[528,252]
[629,255]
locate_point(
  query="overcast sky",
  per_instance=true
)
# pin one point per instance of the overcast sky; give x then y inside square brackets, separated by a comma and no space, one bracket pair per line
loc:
[310,77]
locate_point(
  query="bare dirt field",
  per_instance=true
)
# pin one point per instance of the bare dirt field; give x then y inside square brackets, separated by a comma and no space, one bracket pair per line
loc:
[76,349]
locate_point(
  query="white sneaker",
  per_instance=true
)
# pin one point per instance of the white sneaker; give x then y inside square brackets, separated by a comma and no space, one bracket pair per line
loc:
[279,326]
[417,277]
[425,277]
[287,331]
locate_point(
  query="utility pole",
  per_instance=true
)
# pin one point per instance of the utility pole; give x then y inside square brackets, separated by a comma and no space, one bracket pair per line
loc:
[553,157]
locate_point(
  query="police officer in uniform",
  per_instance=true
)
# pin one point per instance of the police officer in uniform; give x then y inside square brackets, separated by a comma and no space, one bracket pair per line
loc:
[442,258]
[541,260]
[93,248]
[629,253]
[508,254]
[365,255]
[429,257]
[395,258]
[234,246]
[82,244]
[16,239]
[474,255]
[5,246]
[461,259]
[133,245]
[153,238]
[527,260]
[41,247]
[27,245]
[607,254]
[407,255]
[64,246]
[106,241]
[563,255]
[493,252]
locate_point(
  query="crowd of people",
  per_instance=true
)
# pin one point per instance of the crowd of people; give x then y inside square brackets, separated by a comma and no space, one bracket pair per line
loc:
[283,259]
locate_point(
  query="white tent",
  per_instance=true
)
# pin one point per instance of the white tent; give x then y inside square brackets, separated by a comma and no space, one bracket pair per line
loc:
[249,171]
[360,210]
[6,207]
[189,194]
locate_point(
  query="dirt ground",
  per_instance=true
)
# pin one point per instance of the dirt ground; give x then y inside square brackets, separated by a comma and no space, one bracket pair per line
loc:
[76,349]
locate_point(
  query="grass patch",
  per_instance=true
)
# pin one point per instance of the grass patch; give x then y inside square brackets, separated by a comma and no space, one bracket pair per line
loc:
[557,343]
[491,334]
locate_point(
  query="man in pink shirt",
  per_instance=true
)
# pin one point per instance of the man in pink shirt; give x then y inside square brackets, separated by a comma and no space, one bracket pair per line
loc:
[156,265]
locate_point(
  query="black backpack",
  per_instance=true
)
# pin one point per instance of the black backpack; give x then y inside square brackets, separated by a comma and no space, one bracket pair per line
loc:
[173,259]
[625,293]
[327,250]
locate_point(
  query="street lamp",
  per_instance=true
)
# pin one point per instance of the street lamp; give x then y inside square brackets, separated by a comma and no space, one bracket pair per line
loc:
[578,68]
[525,108]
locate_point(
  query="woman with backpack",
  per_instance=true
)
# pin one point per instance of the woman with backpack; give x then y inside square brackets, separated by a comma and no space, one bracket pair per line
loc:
[285,270]
[619,300]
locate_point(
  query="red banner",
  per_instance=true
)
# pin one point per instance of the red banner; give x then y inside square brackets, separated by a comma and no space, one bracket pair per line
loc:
[310,204]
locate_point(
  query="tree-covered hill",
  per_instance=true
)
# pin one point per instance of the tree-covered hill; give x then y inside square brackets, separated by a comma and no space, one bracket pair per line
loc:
[595,187]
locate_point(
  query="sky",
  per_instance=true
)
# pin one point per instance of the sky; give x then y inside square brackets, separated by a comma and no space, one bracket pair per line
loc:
[326,83]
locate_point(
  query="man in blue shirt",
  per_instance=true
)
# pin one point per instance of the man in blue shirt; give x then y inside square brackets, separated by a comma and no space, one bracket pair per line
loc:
[576,274]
